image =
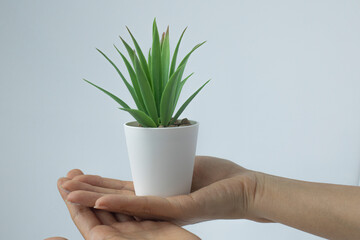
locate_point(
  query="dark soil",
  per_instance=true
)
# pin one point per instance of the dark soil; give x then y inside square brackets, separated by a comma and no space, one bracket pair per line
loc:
[177,123]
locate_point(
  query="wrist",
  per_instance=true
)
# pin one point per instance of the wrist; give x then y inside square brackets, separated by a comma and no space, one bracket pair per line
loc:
[258,197]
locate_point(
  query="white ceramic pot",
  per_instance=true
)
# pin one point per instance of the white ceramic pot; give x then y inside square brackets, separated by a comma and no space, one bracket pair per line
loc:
[161,159]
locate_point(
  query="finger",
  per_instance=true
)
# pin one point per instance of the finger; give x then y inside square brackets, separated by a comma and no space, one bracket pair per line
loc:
[74,172]
[84,198]
[62,191]
[74,185]
[105,217]
[106,182]
[88,198]
[82,216]
[123,217]
[150,207]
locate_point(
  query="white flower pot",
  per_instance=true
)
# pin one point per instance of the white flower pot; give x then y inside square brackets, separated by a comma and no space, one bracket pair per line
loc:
[161,159]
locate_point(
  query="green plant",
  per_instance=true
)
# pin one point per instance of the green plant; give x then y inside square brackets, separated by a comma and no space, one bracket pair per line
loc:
[156,84]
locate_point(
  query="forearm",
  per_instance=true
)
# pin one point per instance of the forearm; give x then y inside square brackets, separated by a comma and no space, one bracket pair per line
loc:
[327,210]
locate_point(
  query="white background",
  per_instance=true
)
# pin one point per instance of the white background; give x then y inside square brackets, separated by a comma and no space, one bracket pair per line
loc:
[284,99]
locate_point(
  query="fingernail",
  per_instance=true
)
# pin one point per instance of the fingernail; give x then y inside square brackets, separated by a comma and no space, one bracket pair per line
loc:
[100,207]
[76,204]
[63,189]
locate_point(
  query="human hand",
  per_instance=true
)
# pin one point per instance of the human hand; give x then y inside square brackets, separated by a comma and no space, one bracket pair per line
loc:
[220,190]
[98,224]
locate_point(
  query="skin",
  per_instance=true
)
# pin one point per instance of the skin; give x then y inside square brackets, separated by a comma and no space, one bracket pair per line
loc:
[223,190]
[95,224]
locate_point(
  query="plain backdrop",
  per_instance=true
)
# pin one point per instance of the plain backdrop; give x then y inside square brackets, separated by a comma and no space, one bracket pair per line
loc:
[284,97]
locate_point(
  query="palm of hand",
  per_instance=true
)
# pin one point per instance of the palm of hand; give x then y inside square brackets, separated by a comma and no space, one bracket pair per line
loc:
[220,189]
[147,230]
[100,224]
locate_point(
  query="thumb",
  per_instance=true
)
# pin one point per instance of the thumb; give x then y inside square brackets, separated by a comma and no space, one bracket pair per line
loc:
[175,208]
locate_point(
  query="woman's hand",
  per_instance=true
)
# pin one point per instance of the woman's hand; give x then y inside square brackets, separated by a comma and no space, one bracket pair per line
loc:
[98,224]
[220,190]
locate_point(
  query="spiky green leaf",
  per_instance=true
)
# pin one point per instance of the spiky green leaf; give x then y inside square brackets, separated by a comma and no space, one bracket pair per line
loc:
[128,86]
[146,91]
[118,100]
[162,40]
[186,58]
[141,58]
[156,66]
[182,108]
[165,59]
[149,60]
[180,88]
[182,66]
[129,50]
[139,100]
[173,61]
[166,108]
[140,117]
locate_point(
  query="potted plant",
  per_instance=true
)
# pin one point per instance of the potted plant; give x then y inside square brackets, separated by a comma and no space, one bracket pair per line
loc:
[161,147]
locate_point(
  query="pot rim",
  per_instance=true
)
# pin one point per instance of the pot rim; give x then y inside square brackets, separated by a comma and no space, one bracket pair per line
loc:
[193,124]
